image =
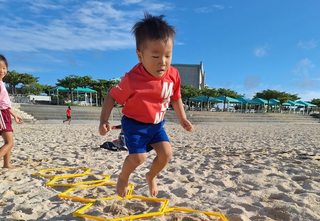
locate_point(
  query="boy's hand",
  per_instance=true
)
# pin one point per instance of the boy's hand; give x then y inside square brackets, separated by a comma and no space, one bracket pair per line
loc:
[187,125]
[104,128]
[18,119]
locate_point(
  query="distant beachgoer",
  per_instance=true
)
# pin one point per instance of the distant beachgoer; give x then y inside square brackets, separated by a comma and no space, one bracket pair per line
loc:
[68,115]
[6,130]
[147,91]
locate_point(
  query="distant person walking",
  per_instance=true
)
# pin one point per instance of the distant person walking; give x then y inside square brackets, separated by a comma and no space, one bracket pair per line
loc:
[68,115]
[6,130]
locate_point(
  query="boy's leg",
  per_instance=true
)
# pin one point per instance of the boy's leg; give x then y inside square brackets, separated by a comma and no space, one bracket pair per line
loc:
[5,150]
[164,154]
[131,162]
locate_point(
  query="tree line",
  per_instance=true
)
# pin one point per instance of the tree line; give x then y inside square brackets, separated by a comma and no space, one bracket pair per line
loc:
[29,85]
[188,92]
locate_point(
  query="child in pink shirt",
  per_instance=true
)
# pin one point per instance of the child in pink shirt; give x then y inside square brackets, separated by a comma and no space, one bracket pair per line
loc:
[6,130]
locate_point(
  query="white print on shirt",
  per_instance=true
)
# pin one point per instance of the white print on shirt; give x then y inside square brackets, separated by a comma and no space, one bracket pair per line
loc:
[166,93]
[117,86]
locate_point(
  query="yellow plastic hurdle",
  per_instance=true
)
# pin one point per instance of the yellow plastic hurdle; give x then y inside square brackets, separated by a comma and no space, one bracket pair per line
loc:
[64,194]
[79,213]
[101,182]
[51,183]
[222,217]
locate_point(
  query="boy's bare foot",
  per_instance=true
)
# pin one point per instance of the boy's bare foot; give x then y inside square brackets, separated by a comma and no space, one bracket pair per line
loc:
[153,187]
[122,187]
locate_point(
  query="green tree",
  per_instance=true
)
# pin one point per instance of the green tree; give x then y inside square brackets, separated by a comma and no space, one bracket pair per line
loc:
[47,88]
[209,92]
[28,79]
[227,93]
[273,94]
[72,82]
[30,84]
[83,81]
[102,86]
[267,95]
[12,78]
[188,91]
[284,97]
[315,102]
[33,88]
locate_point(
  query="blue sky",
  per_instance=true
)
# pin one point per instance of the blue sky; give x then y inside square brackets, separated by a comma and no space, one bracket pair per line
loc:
[246,46]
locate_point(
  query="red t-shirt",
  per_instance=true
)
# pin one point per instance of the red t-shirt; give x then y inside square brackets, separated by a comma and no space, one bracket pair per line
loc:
[69,112]
[147,98]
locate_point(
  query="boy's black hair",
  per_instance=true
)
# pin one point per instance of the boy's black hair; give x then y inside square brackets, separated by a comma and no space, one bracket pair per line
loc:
[3,58]
[152,28]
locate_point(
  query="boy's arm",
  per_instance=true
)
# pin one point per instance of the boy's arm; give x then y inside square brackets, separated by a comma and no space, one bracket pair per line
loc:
[107,106]
[17,118]
[178,108]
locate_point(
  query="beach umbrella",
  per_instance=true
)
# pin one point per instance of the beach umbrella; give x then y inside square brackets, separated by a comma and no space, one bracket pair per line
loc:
[285,104]
[215,100]
[306,104]
[247,101]
[243,100]
[229,99]
[274,102]
[294,104]
[200,98]
[260,100]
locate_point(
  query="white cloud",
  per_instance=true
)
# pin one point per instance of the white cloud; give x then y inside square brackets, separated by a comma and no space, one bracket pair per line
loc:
[82,25]
[307,44]
[260,51]
[307,95]
[307,83]
[303,67]
[129,2]
[218,6]
[209,8]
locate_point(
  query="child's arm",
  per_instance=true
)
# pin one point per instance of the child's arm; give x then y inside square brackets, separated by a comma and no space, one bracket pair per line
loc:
[107,106]
[17,118]
[0,122]
[178,108]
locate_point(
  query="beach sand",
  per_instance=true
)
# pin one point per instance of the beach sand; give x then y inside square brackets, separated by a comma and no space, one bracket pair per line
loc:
[244,171]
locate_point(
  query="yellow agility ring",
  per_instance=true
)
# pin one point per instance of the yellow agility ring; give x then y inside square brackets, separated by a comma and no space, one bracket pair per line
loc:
[165,202]
[57,174]
[52,182]
[222,217]
[86,200]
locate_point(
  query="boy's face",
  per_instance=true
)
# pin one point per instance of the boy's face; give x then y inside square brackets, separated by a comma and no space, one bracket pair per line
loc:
[3,70]
[156,56]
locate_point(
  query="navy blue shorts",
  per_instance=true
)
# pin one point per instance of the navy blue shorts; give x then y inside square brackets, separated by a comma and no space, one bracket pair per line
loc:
[139,136]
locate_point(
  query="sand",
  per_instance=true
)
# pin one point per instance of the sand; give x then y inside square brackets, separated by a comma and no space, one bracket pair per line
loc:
[244,171]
